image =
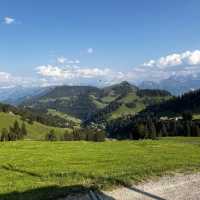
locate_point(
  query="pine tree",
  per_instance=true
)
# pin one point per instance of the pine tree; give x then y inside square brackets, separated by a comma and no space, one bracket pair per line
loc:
[146,132]
[4,135]
[152,130]
[16,130]
[23,130]
[187,116]
[188,129]
[163,130]
[11,134]
[197,130]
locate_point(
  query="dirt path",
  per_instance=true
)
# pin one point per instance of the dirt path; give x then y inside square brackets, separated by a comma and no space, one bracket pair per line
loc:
[178,187]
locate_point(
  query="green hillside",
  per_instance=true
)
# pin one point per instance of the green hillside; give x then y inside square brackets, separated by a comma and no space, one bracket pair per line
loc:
[80,103]
[188,102]
[36,131]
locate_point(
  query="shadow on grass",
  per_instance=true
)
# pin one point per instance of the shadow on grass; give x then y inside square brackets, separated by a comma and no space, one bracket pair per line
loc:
[111,181]
[55,192]
[12,168]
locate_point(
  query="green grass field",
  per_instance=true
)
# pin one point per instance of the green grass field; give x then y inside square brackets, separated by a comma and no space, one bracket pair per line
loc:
[31,170]
[36,131]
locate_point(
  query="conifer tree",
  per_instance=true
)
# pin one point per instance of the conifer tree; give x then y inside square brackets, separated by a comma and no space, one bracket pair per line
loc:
[23,130]
[4,135]
[16,130]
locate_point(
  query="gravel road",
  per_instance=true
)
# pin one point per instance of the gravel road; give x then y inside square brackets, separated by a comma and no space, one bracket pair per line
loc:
[178,187]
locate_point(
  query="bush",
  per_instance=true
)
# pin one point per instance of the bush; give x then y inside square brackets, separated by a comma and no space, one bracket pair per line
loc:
[68,136]
[51,136]
[130,105]
[99,136]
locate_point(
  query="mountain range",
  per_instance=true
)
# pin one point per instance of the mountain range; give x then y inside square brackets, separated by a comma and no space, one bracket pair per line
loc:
[80,103]
[177,85]
[18,94]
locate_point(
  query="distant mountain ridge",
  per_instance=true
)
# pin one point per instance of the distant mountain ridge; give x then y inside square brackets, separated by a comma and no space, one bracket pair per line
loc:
[177,85]
[82,102]
[18,94]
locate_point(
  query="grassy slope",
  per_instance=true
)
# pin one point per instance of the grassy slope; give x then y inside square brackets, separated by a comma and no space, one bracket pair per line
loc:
[33,165]
[36,130]
[64,116]
[139,102]
[196,116]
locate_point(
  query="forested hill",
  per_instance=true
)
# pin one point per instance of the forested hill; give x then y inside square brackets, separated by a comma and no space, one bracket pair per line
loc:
[188,102]
[87,102]
[30,115]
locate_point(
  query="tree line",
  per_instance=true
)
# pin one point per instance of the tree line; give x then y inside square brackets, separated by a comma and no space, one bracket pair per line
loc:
[86,134]
[130,127]
[188,102]
[30,115]
[14,132]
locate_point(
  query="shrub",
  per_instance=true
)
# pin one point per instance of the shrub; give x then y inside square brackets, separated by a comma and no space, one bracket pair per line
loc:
[68,136]
[51,136]
[130,105]
[99,136]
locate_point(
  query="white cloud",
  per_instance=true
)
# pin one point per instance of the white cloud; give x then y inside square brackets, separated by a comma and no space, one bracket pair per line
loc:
[7,80]
[9,20]
[90,50]
[185,58]
[177,64]
[4,77]
[71,72]
[81,75]
[61,60]
[73,61]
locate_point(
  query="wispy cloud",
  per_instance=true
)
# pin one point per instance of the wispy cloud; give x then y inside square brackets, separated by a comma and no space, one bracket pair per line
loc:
[90,50]
[62,60]
[8,20]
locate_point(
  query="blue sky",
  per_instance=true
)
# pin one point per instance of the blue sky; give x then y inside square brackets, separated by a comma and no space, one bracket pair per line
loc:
[108,36]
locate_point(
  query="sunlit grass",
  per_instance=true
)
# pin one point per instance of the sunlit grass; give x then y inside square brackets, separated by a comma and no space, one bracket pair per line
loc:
[26,165]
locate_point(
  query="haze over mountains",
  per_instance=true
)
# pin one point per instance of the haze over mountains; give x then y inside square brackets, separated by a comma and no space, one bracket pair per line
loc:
[176,85]
[18,94]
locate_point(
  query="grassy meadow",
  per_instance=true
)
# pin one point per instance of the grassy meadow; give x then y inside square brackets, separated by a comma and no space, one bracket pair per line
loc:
[36,131]
[47,170]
